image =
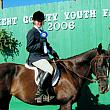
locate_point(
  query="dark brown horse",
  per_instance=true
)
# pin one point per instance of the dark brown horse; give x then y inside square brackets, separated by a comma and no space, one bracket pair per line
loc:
[18,81]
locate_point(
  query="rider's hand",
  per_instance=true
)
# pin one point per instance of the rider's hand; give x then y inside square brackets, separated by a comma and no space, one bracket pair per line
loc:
[55,55]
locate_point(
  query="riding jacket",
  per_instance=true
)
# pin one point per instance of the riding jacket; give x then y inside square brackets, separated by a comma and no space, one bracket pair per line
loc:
[35,47]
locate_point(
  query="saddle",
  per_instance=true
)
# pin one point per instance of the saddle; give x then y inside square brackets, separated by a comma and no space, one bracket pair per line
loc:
[42,66]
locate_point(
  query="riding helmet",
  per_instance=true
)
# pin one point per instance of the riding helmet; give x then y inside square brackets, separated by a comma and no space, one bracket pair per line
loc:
[39,16]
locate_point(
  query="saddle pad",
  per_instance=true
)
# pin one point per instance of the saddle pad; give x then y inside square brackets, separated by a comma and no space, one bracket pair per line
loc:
[36,73]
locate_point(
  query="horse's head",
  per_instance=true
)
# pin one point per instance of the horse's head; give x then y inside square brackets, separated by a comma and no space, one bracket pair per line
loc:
[100,67]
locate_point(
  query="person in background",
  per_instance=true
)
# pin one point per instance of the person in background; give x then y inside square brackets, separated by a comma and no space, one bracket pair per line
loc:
[35,47]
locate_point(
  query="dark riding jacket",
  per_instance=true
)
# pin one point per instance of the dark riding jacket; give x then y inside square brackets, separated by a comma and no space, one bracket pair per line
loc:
[35,48]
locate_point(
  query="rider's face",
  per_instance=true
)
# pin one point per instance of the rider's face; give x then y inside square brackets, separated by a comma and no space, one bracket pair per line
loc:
[38,23]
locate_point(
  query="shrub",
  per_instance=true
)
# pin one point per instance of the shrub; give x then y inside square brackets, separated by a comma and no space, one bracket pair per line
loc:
[8,45]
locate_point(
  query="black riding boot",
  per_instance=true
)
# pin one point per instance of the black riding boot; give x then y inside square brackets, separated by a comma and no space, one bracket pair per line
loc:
[44,83]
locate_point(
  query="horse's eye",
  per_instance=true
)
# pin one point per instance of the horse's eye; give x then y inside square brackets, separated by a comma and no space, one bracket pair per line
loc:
[99,66]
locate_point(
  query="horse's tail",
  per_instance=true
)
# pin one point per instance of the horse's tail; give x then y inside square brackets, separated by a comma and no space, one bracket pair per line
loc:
[7,72]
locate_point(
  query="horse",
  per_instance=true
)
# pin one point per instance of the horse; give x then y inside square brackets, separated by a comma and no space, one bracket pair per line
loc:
[17,80]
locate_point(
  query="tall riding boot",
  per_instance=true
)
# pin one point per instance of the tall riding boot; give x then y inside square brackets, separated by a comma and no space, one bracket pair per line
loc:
[44,84]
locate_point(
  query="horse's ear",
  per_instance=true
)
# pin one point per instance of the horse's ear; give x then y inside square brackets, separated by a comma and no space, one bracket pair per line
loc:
[109,48]
[99,49]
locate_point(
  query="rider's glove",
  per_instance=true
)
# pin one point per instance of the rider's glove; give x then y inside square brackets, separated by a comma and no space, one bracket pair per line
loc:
[55,55]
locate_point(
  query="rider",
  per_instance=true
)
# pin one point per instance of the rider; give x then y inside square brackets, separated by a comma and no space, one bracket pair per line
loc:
[36,49]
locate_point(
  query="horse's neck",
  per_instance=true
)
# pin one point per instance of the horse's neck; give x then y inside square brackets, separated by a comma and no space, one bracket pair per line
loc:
[87,56]
[80,64]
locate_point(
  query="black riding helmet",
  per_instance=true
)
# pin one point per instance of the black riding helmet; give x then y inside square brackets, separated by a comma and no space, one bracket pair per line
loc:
[39,16]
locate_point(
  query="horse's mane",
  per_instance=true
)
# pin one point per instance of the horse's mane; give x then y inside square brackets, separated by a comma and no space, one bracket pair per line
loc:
[80,54]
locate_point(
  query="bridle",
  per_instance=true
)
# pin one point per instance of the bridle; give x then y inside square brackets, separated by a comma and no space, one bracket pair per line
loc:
[97,64]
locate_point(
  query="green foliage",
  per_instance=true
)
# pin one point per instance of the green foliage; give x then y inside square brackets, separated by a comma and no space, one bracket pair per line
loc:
[8,45]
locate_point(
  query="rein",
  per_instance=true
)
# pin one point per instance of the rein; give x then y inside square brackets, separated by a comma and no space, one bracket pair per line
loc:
[81,76]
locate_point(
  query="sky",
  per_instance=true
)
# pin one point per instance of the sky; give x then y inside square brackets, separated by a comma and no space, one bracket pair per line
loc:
[14,3]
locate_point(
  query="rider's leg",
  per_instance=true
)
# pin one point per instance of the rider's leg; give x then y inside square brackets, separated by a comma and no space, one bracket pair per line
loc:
[44,84]
[46,80]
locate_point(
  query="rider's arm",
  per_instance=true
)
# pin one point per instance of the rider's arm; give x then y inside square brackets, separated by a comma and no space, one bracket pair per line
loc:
[52,52]
[32,44]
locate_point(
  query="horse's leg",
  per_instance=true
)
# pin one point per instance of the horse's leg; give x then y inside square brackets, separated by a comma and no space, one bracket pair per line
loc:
[4,102]
[67,106]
